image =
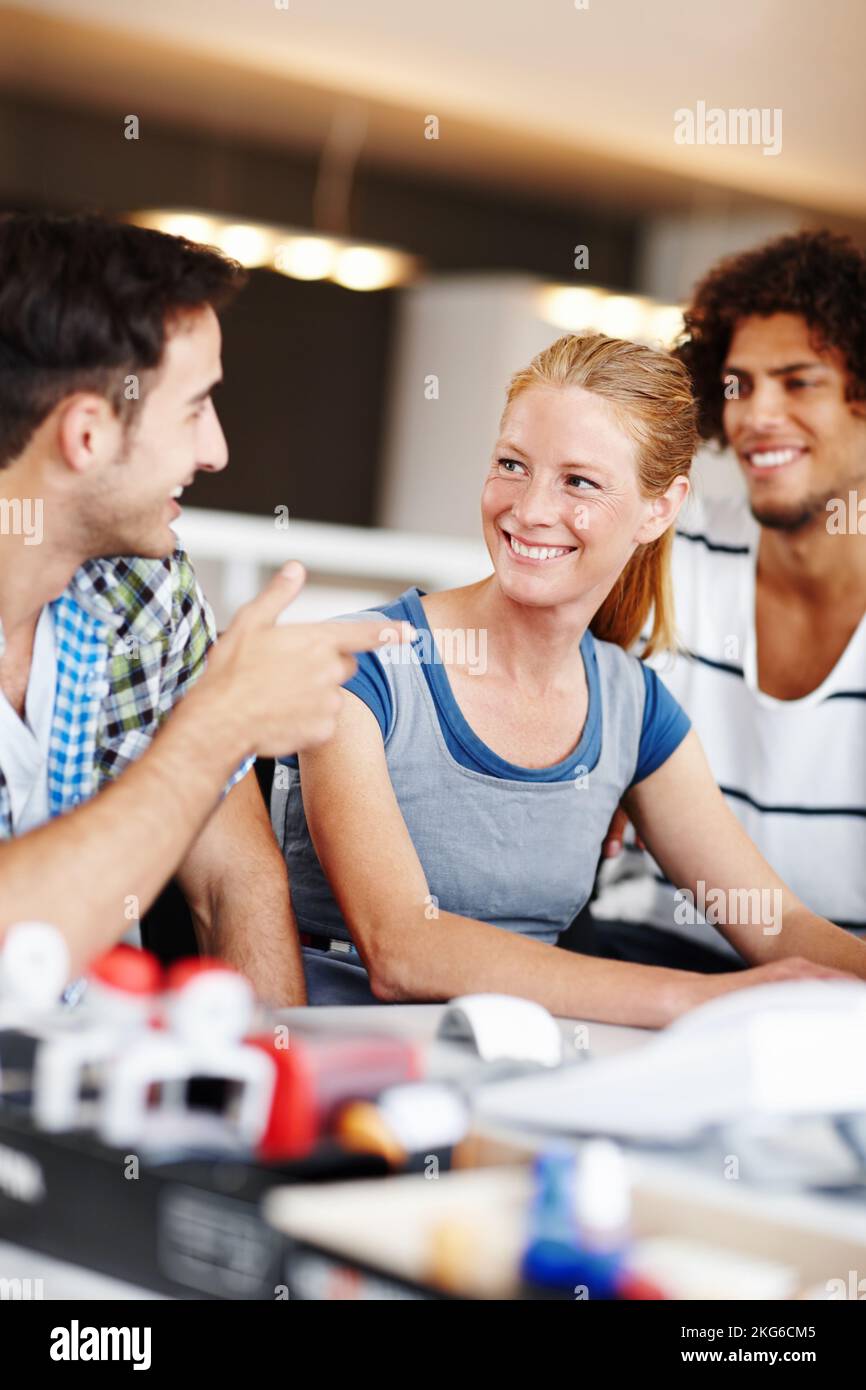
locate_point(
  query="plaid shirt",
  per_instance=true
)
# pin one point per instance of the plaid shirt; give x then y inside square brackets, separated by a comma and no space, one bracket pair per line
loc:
[131,637]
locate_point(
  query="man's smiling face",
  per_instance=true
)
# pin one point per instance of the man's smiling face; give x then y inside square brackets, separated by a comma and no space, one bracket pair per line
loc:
[174,434]
[798,440]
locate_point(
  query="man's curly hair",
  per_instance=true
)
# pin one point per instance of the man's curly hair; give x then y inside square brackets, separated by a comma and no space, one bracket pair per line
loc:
[820,276]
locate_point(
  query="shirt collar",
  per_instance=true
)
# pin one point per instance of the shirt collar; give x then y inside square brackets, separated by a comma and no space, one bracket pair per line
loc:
[130,595]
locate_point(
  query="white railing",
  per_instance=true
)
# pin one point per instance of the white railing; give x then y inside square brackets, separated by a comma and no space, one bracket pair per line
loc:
[349,567]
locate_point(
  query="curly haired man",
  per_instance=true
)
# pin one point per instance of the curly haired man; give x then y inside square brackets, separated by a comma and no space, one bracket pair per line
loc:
[771,592]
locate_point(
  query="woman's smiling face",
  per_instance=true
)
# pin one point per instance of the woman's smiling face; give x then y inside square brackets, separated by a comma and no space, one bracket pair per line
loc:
[562,507]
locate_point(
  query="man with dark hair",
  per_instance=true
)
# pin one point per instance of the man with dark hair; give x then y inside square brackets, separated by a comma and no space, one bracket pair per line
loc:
[109,354]
[771,593]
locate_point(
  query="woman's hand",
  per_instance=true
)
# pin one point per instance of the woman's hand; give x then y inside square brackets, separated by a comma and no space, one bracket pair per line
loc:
[791,968]
[613,840]
[707,987]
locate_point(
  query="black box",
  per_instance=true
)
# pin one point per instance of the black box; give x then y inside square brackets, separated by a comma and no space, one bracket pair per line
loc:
[189,1229]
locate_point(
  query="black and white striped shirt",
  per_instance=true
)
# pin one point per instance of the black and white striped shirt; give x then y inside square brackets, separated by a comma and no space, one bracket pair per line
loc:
[793,771]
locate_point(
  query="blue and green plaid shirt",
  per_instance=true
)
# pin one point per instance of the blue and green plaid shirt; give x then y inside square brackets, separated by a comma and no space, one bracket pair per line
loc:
[131,637]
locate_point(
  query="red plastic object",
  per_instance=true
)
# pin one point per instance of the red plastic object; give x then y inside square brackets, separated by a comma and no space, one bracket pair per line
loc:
[638,1288]
[315,1076]
[129,970]
[182,971]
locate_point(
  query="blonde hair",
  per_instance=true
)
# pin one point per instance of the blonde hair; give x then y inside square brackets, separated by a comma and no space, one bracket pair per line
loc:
[651,393]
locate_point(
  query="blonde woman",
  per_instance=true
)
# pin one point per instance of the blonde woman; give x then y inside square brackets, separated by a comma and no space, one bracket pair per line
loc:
[450,831]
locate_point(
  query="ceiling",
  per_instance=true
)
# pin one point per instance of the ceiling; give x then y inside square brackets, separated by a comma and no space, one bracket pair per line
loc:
[529,93]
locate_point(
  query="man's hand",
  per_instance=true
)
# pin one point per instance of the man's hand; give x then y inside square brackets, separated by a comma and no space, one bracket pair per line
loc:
[277,687]
[267,689]
[614,837]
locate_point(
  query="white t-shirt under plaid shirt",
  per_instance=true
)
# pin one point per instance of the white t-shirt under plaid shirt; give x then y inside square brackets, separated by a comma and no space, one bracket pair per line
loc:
[130,638]
[24,741]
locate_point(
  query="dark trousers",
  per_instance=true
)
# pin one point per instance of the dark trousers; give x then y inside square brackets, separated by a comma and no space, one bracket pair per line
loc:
[643,945]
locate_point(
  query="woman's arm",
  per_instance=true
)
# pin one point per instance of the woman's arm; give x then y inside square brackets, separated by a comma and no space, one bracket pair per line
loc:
[691,832]
[366,852]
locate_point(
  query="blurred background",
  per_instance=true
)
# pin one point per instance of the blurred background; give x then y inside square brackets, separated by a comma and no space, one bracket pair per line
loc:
[426,195]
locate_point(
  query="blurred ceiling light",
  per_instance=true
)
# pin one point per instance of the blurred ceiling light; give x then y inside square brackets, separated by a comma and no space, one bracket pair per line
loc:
[191,225]
[622,316]
[252,246]
[305,257]
[368,268]
[568,308]
[619,315]
[301,255]
[664,323]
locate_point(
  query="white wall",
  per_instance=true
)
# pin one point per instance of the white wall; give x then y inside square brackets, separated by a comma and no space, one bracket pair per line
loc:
[472,332]
[678,250]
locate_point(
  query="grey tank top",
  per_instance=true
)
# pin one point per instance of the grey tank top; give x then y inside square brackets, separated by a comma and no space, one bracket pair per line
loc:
[519,855]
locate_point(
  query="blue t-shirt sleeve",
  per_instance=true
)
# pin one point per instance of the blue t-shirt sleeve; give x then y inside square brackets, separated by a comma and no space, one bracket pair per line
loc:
[370,684]
[665,725]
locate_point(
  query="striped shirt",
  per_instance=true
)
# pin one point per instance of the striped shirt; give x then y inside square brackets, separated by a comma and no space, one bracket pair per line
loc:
[792,771]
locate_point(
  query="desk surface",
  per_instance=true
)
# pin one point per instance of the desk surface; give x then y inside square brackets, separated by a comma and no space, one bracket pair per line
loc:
[421,1021]
[817,1218]
[685,1191]
[62,1279]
